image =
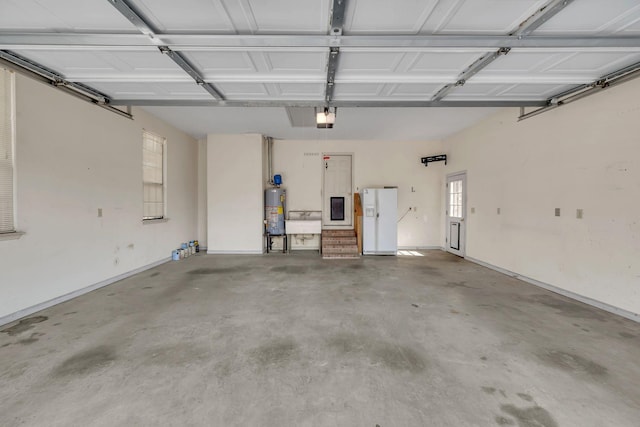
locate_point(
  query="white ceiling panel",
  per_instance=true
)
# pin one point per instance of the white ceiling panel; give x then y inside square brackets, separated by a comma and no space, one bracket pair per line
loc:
[350,91]
[260,65]
[595,16]
[106,64]
[277,91]
[532,91]
[287,16]
[412,91]
[211,63]
[559,66]
[595,63]
[632,28]
[359,61]
[243,90]
[301,90]
[186,15]
[448,62]
[383,16]
[141,90]
[297,61]
[494,92]
[62,15]
[487,16]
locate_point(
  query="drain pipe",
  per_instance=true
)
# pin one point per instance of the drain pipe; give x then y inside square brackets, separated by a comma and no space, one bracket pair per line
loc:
[270,159]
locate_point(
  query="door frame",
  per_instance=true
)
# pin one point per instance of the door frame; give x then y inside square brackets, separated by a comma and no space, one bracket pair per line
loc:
[463,229]
[336,227]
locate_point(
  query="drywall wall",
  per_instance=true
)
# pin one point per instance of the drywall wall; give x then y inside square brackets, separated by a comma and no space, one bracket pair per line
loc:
[72,159]
[585,155]
[235,170]
[375,164]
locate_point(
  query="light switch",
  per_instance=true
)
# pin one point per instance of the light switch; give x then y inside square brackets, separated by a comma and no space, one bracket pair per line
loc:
[579,213]
[557,211]
[498,211]
[473,210]
[99,212]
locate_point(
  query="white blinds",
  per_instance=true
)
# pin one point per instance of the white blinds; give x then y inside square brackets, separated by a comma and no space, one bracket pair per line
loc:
[153,148]
[6,152]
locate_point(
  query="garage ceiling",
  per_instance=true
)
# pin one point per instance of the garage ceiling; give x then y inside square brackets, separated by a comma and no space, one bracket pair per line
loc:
[193,57]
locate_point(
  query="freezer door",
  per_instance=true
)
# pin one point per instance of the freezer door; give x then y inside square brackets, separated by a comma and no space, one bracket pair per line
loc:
[379,221]
[387,206]
[369,222]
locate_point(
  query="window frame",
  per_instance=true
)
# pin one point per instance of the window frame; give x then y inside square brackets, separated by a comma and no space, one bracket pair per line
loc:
[163,218]
[13,232]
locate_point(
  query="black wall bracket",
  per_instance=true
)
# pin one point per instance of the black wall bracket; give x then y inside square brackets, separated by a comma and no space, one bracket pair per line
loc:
[427,160]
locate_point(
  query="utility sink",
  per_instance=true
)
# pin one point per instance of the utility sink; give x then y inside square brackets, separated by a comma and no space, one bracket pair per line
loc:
[303,226]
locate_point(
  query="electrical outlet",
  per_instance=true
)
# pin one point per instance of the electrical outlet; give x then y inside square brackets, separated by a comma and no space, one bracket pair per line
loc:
[557,211]
[99,212]
[579,213]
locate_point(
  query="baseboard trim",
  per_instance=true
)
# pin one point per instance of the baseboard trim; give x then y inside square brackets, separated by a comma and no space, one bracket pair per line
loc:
[225,252]
[581,298]
[418,248]
[66,297]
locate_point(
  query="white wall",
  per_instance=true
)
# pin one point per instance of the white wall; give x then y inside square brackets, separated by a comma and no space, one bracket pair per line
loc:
[376,164]
[585,155]
[202,193]
[235,193]
[73,158]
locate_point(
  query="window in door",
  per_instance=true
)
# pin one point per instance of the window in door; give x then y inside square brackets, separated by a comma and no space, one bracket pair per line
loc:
[455,199]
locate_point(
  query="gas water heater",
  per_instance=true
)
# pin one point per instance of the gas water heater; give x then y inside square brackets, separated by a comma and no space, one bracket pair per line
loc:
[274,206]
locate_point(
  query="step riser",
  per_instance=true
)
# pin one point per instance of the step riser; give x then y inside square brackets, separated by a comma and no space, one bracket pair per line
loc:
[340,257]
[340,251]
[338,233]
[336,241]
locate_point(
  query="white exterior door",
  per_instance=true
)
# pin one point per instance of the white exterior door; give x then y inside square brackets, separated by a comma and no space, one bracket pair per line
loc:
[337,195]
[456,213]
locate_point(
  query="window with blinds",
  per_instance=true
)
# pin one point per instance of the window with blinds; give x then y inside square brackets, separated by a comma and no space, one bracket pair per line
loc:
[153,177]
[7,220]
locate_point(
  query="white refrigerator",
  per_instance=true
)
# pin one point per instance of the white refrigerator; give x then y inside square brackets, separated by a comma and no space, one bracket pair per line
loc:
[379,221]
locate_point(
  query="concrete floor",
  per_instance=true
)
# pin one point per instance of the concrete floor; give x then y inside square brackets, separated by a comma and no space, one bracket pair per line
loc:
[284,340]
